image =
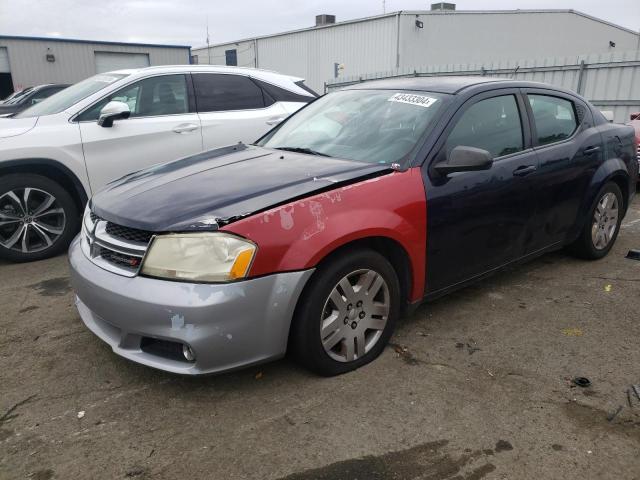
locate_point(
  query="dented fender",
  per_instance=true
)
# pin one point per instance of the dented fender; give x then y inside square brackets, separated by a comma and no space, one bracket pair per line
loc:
[299,234]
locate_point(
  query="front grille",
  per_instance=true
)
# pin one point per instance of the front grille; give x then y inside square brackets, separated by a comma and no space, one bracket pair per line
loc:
[126,233]
[131,262]
[113,247]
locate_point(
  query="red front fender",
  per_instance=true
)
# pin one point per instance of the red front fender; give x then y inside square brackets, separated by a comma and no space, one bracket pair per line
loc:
[298,235]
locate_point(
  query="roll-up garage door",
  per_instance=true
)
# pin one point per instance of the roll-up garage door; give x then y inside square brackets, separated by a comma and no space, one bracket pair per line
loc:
[4,60]
[109,61]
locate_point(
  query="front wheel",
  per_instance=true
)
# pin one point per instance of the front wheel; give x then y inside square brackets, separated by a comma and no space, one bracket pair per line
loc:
[347,313]
[603,224]
[38,218]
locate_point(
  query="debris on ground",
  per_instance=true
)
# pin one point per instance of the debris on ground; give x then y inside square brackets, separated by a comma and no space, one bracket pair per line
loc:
[8,415]
[258,376]
[572,332]
[636,390]
[400,349]
[404,353]
[633,254]
[583,382]
[607,288]
[471,346]
[613,415]
[81,414]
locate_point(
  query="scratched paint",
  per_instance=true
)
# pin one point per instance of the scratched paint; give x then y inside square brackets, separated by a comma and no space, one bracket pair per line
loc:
[318,226]
[286,217]
[177,321]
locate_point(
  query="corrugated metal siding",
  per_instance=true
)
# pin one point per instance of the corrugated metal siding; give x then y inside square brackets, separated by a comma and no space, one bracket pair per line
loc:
[74,61]
[454,38]
[368,47]
[610,81]
[310,54]
[215,55]
[360,47]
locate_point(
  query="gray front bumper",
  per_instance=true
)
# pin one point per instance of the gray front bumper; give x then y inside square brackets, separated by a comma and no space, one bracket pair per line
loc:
[229,326]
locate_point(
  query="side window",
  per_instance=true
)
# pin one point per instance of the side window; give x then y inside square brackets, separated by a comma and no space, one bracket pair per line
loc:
[161,95]
[555,118]
[493,124]
[220,92]
[42,94]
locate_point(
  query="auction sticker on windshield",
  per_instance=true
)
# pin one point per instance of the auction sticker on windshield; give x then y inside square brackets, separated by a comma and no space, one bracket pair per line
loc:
[412,99]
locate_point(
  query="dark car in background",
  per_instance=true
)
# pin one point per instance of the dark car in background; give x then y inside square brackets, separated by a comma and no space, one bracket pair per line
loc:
[23,99]
[368,200]
[635,123]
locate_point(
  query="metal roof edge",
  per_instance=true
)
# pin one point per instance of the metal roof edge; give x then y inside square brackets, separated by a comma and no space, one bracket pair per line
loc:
[305,29]
[98,42]
[420,12]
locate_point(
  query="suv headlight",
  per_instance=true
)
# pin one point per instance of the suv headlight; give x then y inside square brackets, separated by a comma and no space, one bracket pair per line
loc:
[199,257]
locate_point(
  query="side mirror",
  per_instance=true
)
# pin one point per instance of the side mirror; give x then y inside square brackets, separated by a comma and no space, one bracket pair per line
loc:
[465,159]
[113,111]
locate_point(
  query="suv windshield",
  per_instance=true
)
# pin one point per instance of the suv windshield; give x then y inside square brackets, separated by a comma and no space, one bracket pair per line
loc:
[71,95]
[375,126]
[16,97]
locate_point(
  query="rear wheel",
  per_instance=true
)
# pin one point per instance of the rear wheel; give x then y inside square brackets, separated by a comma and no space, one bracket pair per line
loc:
[347,313]
[38,218]
[601,229]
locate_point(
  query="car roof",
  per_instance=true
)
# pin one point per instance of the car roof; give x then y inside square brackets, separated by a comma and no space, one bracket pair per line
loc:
[256,72]
[444,84]
[48,85]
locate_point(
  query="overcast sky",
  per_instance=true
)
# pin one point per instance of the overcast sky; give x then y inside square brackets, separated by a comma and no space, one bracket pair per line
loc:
[184,22]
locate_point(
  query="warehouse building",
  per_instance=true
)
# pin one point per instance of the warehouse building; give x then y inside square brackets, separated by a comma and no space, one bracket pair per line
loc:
[28,61]
[410,39]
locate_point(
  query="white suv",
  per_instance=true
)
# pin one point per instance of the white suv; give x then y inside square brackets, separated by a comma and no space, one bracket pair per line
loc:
[54,155]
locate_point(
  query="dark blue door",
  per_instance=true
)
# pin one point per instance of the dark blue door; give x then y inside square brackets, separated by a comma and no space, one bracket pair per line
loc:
[480,220]
[569,148]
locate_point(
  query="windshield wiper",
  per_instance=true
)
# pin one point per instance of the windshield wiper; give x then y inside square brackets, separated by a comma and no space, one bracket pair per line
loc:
[303,150]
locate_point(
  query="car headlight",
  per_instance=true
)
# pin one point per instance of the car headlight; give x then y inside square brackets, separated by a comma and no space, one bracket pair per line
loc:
[199,257]
[87,223]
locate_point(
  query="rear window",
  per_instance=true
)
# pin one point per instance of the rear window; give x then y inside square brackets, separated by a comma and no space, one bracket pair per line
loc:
[220,92]
[554,116]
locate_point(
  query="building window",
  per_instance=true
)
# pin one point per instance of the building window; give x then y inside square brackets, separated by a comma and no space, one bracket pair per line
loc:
[231,57]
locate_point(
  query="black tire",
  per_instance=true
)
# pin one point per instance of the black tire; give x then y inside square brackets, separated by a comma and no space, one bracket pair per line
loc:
[584,246]
[59,242]
[305,340]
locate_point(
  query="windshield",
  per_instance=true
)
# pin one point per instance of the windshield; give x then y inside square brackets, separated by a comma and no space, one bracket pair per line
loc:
[16,97]
[70,96]
[375,126]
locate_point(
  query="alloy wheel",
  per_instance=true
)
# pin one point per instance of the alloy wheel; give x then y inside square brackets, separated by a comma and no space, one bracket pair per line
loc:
[31,220]
[355,315]
[605,221]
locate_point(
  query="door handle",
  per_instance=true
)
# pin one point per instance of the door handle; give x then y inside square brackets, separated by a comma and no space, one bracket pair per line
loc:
[185,128]
[275,121]
[591,150]
[524,170]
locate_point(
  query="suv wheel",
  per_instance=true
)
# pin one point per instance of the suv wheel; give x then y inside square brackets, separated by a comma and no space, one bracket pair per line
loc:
[38,218]
[347,313]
